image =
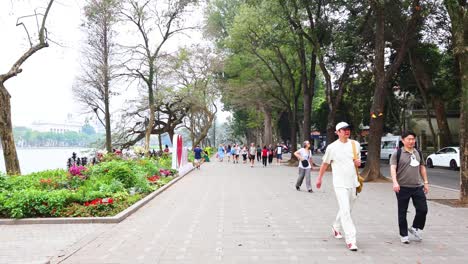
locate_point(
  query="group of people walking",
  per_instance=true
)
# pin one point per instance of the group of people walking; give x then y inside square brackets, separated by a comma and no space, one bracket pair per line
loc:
[407,169]
[250,153]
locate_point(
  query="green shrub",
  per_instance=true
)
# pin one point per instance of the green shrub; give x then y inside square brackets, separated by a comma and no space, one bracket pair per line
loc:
[164,161]
[35,203]
[57,193]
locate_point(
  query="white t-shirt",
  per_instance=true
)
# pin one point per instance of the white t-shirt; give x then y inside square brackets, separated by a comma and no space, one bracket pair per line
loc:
[305,155]
[340,156]
[279,150]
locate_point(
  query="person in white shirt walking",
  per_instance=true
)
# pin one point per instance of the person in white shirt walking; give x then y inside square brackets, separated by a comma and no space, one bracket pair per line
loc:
[304,155]
[340,155]
[279,154]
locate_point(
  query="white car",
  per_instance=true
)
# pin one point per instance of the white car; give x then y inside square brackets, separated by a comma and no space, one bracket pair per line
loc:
[445,157]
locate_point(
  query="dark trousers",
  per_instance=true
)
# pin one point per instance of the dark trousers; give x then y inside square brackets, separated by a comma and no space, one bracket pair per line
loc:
[420,204]
[270,159]
[259,156]
[264,160]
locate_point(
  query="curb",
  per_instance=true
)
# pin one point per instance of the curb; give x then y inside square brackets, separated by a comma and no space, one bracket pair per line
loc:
[93,220]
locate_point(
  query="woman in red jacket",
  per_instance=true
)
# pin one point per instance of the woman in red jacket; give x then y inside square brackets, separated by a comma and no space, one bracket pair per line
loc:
[264,155]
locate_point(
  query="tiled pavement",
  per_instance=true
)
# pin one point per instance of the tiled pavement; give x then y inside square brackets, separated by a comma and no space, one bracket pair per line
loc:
[231,213]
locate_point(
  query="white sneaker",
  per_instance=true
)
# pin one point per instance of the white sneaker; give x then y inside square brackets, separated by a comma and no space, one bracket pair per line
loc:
[336,233]
[416,232]
[352,246]
[404,239]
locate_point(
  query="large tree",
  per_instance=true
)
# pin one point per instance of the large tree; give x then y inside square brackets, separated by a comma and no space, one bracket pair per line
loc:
[195,70]
[6,130]
[156,21]
[94,86]
[459,20]
[383,75]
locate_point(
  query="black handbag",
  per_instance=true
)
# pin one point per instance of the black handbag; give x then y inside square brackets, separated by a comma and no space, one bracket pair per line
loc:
[305,163]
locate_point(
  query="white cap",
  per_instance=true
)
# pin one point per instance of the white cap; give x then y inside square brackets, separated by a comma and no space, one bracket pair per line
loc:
[341,125]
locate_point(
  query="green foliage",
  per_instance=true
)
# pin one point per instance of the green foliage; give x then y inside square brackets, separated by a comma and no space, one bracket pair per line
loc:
[57,193]
[34,203]
[88,129]
[32,138]
[210,151]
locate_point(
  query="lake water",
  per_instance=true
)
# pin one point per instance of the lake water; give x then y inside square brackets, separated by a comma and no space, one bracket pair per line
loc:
[38,159]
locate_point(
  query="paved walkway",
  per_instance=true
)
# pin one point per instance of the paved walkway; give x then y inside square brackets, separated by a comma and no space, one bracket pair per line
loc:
[231,213]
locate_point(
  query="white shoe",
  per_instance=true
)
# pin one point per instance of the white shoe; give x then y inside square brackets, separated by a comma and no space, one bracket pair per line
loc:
[416,232]
[352,246]
[404,239]
[336,233]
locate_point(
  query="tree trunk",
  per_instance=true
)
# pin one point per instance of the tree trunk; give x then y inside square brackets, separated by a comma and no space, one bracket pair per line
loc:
[6,131]
[441,117]
[293,124]
[152,107]
[108,123]
[267,126]
[107,78]
[424,82]
[372,169]
[331,136]
[159,137]
[308,93]
[459,20]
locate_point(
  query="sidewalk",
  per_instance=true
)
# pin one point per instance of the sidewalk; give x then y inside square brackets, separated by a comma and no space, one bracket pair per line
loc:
[231,213]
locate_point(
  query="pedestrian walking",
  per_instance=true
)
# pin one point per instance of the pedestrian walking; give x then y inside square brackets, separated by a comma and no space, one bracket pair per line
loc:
[304,155]
[198,156]
[244,153]
[409,178]
[264,156]
[221,152]
[279,154]
[252,152]
[341,157]
[259,153]
[228,153]
[236,153]
[271,154]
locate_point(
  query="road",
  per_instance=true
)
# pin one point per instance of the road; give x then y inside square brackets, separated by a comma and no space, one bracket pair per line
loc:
[443,177]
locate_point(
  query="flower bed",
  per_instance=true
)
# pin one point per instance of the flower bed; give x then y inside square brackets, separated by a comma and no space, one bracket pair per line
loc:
[104,189]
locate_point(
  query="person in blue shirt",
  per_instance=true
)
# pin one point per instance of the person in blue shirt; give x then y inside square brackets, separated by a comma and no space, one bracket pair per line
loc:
[198,155]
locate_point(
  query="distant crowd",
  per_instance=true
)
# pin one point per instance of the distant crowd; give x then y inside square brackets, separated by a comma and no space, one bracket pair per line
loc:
[249,154]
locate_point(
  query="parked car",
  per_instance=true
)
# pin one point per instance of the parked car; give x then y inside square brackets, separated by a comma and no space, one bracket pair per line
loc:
[363,154]
[389,145]
[445,157]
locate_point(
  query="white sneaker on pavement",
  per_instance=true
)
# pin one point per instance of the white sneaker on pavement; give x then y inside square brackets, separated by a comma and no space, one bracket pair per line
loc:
[416,232]
[336,233]
[352,246]
[404,239]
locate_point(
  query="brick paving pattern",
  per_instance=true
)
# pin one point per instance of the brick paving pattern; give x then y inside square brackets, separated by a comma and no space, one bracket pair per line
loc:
[231,213]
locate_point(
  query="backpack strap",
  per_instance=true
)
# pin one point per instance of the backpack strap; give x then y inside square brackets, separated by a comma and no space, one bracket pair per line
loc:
[398,155]
[420,156]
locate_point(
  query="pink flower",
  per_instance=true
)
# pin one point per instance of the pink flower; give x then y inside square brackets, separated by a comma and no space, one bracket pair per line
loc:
[76,170]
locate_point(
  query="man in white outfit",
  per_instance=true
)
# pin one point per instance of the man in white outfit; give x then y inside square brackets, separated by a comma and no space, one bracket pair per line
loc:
[340,155]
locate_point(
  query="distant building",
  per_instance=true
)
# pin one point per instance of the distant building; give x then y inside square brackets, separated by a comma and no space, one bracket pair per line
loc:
[68,126]
[56,127]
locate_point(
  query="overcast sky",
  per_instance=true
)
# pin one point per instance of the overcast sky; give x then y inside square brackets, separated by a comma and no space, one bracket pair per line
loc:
[42,92]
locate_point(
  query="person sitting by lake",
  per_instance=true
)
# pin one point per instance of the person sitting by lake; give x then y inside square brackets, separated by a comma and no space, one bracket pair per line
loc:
[166,149]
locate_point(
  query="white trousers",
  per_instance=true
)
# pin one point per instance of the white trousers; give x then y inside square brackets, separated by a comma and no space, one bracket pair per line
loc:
[343,221]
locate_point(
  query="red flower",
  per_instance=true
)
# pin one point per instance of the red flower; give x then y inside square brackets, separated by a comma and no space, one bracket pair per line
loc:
[99,201]
[153,178]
